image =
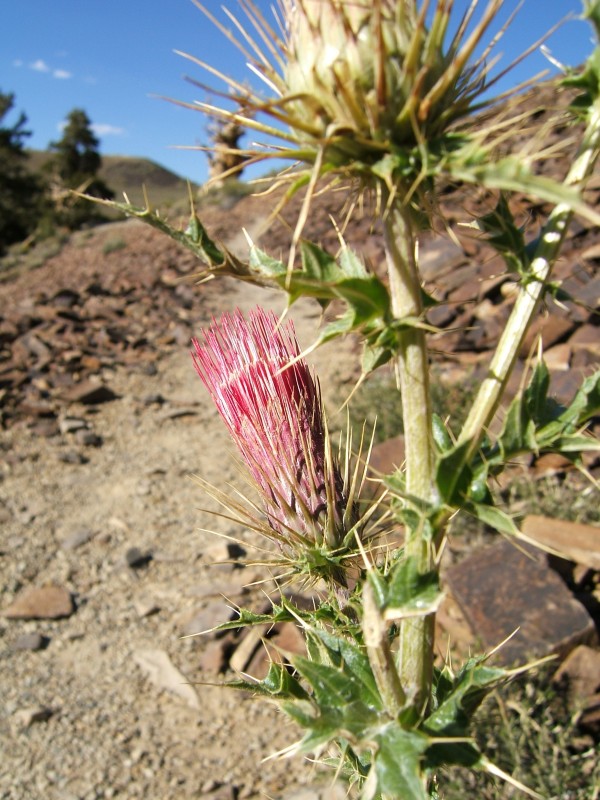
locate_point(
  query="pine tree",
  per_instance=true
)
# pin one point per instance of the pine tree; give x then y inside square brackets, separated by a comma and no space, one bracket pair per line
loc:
[20,191]
[75,165]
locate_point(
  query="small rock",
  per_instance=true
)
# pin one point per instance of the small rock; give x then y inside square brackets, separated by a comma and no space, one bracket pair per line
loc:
[25,717]
[214,613]
[72,457]
[44,602]
[161,671]
[77,538]
[30,641]
[46,428]
[88,438]
[581,671]
[150,369]
[559,356]
[71,424]
[551,464]
[90,393]
[155,399]
[212,658]
[136,558]
[176,413]
[571,540]
[146,607]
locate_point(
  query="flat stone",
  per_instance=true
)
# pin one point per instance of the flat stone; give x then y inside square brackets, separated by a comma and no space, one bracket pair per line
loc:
[136,558]
[30,641]
[90,393]
[552,330]
[26,717]
[71,424]
[161,671]
[387,456]
[565,385]
[551,464]
[587,338]
[212,657]
[72,457]
[203,620]
[504,591]
[571,540]
[146,607]
[581,672]
[77,538]
[438,257]
[251,641]
[453,633]
[559,356]
[43,602]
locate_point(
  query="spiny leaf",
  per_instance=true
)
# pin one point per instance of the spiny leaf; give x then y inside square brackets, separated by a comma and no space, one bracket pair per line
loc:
[505,237]
[462,696]
[405,591]
[277,684]
[511,174]
[353,660]
[331,687]
[397,763]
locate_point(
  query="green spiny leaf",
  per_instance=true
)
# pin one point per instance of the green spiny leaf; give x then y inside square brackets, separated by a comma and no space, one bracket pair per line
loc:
[410,592]
[353,660]
[512,175]
[397,763]
[497,519]
[505,237]
[277,684]
[264,264]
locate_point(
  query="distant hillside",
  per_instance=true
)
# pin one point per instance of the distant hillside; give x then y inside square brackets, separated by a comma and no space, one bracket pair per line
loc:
[129,174]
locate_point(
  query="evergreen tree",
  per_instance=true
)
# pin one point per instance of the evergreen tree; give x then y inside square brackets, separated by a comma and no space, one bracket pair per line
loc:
[20,192]
[75,165]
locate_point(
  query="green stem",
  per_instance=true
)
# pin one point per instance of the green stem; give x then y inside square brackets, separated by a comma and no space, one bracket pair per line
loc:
[416,640]
[379,654]
[530,293]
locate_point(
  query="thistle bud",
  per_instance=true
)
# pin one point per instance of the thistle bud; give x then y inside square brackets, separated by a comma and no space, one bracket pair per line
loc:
[271,404]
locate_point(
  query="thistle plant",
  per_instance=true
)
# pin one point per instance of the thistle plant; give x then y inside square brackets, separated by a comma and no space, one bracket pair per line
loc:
[380,96]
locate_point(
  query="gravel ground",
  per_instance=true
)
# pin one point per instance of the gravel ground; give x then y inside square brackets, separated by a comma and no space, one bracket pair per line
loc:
[95,710]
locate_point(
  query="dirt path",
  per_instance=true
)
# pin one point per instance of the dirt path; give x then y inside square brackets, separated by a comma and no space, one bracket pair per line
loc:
[82,717]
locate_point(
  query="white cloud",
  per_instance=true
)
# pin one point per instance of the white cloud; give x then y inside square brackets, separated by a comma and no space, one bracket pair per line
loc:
[62,74]
[104,129]
[40,66]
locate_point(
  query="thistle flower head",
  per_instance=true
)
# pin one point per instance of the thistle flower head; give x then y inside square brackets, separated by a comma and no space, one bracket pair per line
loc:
[271,404]
[357,85]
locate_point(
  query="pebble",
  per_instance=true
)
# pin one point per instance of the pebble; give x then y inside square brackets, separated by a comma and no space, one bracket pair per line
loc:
[30,641]
[71,424]
[90,393]
[88,438]
[77,538]
[136,558]
[161,671]
[146,607]
[25,717]
[73,457]
[44,602]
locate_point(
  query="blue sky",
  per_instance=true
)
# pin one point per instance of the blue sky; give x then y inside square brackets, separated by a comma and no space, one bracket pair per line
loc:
[110,58]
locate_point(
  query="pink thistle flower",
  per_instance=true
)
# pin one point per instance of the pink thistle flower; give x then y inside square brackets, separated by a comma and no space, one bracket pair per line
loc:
[271,404]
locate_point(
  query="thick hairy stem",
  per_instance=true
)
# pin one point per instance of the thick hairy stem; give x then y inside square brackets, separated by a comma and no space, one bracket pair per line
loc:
[531,291]
[379,654]
[416,642]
